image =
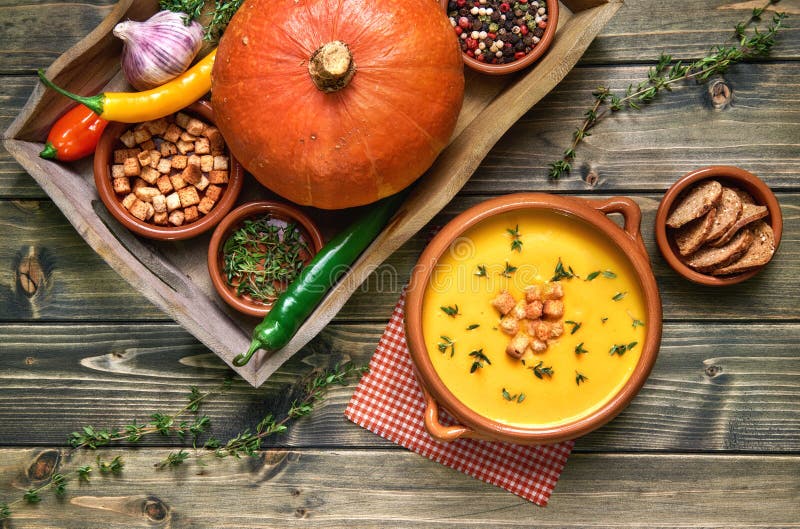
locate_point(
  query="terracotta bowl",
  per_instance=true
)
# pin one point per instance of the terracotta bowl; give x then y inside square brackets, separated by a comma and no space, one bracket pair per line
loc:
[109,141]
[469,423]
[231,223]
[533,56]
[726,175]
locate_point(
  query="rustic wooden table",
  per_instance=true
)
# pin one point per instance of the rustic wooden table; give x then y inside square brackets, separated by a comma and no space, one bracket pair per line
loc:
[713,439]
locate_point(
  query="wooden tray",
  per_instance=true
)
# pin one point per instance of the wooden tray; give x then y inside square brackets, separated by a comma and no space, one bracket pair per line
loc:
[174,275]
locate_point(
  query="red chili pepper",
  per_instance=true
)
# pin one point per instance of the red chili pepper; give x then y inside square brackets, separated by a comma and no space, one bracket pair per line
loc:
[74,135]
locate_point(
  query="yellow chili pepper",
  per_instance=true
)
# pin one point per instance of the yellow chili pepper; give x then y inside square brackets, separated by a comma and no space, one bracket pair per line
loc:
[133,107]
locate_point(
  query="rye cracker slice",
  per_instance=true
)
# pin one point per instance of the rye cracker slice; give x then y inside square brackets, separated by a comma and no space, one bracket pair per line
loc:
[728,211]
[750,213]
[709,258]
[758,253]
[690,237]
[695,203]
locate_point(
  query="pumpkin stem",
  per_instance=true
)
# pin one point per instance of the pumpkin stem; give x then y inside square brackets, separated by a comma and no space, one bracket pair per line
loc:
[331,67]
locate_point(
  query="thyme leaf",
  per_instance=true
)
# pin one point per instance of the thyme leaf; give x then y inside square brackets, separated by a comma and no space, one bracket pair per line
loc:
[580,378]
[562,273]
[450,311]
[541,371]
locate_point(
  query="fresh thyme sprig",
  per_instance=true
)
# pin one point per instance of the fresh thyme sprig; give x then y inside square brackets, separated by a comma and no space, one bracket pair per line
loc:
[219,17]
[667,72]
[480,358]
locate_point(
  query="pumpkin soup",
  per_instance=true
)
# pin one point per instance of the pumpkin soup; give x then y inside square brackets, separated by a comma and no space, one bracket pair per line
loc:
[533,318]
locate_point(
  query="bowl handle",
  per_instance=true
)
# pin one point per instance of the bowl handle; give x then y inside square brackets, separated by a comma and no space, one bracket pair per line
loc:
[630,212]
[439,431]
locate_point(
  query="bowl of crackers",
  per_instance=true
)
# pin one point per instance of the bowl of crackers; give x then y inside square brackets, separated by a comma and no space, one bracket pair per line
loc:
[718,225]
[172,178]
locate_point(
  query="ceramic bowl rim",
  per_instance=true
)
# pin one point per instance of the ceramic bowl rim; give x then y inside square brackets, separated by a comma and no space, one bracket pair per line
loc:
[734,176]
[425,372]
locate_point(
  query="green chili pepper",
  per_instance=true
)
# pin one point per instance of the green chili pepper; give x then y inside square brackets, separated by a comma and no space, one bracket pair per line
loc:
[322,272]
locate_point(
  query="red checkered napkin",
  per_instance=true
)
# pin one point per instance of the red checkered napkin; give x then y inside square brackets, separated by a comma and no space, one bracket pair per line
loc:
[388,402]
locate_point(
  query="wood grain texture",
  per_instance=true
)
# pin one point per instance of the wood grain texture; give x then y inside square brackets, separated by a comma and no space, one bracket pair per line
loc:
[379,488]
[714,388]
[631,151]
[74,271]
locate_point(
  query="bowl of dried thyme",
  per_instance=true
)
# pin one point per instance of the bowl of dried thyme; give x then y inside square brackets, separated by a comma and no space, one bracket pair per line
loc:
[257,250]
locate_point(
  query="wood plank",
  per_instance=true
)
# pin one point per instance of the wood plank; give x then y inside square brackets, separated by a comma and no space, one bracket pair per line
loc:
[71,273]
[641,30]
[631,151]
[380,488]
[715,387]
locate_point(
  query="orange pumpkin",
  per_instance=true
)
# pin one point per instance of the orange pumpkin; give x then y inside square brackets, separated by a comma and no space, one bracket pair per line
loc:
[337,103]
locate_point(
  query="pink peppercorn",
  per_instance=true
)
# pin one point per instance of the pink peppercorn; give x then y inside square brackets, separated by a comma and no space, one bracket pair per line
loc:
[505,8]
[522,29]
[519,55]
[458,29]
[464,23]
[491,36]
[461,3]
[472,43]
[542,24]
[470,53]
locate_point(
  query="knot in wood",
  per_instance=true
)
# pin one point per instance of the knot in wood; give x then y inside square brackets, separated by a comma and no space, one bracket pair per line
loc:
[592,178]
[43,465]
[155,510]
[712,371]
[720,94]
[30,275]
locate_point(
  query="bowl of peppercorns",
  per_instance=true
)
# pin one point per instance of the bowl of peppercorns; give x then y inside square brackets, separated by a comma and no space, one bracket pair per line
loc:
[498,37]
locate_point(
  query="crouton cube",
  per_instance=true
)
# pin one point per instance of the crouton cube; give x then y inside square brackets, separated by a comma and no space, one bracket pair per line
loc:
[192,174]
[148,145]
[533,293]
[176,218]
[144,158]
[214,192]
[138,183]
[215,139]
[202,146]
[139,210]
[173,133]
[117,171]
[149,175]
[185,136]
[128,201]
[160,218]
[193,159]
[164,185]
[206,163]
[150,211]
[218,177]
[177,182]
[120,155]
[516,347]
[141,136]
[538,346]
[159,203]
[179,161]
[121,186]
[533,310]
[553,290]
[128,139]
[184,146]
[553,308]
[509,325]
[182,120]
[189,197]
[164,166]
[156,127]
[155,157]
[220,163]
[168,149]
[195,127]
[173,202]
[556,329]
[146,194]
[519,310]
[202,184]
[190,214]
[205,205]
[504,302]
[131,167]
[540,329]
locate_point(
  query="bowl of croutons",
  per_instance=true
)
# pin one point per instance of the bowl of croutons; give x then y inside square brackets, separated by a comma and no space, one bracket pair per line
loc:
[172,178]
[718,225]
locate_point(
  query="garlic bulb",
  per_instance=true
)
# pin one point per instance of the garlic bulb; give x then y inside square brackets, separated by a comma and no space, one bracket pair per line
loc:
[158,49]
